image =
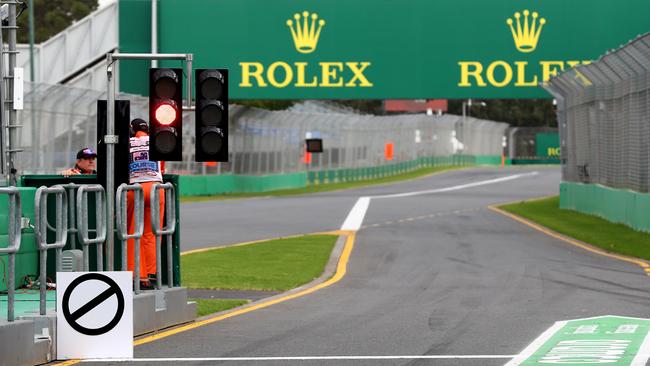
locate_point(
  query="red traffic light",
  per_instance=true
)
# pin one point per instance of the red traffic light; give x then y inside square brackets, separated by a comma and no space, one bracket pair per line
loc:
[166,113]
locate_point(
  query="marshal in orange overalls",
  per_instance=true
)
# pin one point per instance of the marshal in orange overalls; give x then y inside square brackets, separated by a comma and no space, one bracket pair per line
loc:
[144,173]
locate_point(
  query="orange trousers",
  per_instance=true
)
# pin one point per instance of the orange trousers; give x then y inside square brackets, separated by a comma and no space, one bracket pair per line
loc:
[148,240]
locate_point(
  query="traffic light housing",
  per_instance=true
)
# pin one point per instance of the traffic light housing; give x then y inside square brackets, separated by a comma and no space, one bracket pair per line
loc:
[165,114]
[211,115]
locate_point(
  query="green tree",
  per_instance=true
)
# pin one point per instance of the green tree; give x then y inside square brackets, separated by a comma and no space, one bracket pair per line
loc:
[516,112]
[53,16]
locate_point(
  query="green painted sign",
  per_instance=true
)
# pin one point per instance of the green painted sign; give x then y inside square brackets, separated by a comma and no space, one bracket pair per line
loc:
[365,49]
[547,145]
[611,340]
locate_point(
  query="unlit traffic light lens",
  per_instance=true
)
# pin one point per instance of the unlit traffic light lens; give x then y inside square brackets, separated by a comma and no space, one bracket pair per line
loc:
[211,82]
[166,82]
[211,141]
[166,141]
[211,113]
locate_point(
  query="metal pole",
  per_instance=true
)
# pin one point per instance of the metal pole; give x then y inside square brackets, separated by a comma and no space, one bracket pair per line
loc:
[3,117]
[188,65]
[10,93]
[154,31]
[32,77]
[110,140]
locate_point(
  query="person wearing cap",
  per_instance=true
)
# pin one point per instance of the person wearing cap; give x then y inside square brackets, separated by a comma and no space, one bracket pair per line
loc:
[86,163]
[146,173]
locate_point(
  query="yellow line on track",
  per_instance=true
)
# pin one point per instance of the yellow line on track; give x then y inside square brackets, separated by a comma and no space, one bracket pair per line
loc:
[641,263]
[341,270]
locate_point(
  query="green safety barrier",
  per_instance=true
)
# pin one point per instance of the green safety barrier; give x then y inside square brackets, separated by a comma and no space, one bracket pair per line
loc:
[616,205]
[207,185]
[540,161]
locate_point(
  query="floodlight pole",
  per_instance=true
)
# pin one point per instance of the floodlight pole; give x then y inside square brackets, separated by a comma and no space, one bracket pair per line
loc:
[111,139]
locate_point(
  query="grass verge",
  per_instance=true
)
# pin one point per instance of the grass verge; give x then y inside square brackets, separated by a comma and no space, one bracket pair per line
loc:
[211,306]
[276,265]
[590,229]
[327,187]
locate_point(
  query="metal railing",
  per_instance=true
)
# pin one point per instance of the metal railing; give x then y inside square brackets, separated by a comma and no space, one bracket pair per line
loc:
[71,189]
[15,212]
[168,229]
[100,224]
[40,230]
[122,227]
[74,49]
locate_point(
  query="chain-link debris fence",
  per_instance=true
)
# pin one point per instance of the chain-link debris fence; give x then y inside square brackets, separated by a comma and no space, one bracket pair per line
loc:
[58,121]
[604,118]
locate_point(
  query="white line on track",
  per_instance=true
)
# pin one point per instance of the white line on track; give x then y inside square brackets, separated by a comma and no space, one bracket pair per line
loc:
[537,343]
[455,188]
[355,218]
[306,358]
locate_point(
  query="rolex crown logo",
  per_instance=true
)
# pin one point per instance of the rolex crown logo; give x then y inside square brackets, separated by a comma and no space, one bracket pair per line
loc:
[526,36]
[305,34]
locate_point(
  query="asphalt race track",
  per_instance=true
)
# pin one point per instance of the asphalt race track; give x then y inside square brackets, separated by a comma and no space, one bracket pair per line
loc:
[433,274]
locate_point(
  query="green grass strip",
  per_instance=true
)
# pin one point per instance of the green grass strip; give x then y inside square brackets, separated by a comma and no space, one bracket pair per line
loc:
[211,306]
[590,229]
[276,265]
[328,187]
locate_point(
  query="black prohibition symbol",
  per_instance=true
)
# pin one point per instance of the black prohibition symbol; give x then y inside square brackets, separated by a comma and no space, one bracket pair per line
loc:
[113,289]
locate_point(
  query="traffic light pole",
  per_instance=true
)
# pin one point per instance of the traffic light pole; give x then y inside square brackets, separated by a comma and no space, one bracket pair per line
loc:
[111,139]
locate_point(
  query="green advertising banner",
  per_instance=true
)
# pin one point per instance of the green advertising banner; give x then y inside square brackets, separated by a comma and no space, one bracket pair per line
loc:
[547,145]
[365,49]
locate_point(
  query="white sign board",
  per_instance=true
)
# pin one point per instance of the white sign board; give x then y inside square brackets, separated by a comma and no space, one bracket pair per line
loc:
[18,88]
[94,315]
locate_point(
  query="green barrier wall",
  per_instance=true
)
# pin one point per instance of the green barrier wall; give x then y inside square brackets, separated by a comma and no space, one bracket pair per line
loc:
[206,185]
[27,257]
[541,161]
[488,160]
[616,205]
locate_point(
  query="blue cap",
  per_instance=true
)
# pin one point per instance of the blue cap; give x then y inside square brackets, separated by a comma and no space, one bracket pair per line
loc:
[86,152]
